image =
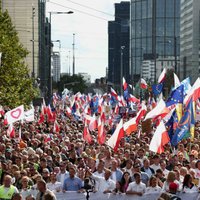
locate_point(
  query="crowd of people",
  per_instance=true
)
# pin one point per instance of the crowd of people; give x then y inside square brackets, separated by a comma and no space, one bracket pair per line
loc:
[43,162]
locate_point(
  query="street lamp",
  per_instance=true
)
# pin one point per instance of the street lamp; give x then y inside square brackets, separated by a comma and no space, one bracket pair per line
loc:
[121,69]
[33,42]
[50,77]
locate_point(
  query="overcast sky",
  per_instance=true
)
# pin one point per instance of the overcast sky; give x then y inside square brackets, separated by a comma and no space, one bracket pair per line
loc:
[91,35]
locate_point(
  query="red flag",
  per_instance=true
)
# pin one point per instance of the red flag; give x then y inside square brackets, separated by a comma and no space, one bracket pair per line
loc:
[162,76]
[159,139]
[114,140]
[141,113]
[143,84]
[130,126]
[93,123]
[86,135]
[56,127]
[125,85]
[41,119]
[11,131]
[101,132]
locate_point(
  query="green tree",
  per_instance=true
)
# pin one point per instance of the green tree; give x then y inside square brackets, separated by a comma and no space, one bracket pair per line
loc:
[16,87]
[74,83]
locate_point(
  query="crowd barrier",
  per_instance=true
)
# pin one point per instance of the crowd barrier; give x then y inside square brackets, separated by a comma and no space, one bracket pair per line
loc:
[100,196]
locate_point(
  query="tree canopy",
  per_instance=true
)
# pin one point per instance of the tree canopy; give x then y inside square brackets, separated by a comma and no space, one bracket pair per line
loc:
[16,87]
[75,83]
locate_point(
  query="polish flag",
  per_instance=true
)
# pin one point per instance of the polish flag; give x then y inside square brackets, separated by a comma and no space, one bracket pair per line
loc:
[143,84]
[114,93]
[159,139]
[41,119]
[194,92]
[130,126]
[125,85]
[101,132]
[56,127]
[162,76]
[11,131]
[86,135]
[159,110]
[133,99]
[88,119]
[93,123]
[141,113]
[68,111]
[114,140]
[116,111]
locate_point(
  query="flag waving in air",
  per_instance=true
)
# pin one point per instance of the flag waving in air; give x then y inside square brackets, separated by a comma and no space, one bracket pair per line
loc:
[143,84]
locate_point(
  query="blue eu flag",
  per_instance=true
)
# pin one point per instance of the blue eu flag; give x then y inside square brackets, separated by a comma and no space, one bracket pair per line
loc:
[176,96]
[157,88]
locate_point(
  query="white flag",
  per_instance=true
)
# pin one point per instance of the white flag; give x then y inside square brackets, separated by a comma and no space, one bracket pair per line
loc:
[14,115]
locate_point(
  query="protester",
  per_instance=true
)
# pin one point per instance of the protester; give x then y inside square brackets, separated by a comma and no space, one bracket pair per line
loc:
[136,187]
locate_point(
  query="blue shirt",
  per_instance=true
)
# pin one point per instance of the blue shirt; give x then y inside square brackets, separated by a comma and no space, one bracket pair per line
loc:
[72,184]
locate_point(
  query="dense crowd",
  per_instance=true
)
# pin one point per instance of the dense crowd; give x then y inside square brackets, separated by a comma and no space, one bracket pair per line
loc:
[43,162]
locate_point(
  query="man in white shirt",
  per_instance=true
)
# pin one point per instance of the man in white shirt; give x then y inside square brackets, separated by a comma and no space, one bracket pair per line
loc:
[64,174]
[106,185]
[156,163]
[54,185]
[137,187]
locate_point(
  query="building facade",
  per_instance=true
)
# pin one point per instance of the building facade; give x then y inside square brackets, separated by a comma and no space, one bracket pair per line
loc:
[148,67]
[190,39]
[56,66]
[154,33]
[24,15]
[118,44]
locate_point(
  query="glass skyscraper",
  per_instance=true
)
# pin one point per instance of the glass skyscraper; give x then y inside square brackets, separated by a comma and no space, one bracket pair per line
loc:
[155,31]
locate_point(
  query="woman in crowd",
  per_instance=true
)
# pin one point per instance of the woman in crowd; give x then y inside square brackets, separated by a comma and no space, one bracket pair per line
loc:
[153,186]
[188,185]
[125,180]
[170,179]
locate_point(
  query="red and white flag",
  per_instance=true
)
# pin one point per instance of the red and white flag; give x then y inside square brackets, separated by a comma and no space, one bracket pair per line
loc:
[143,84]
[159,139]
[125,85]
[114,140]
[162,76]
[101,132]
[141,113]
[86,135]
[133,99]
[14,115]
[56,127]
[11,131]
[113,93]
[176,81]
[159,110]
[130,126]
[194,92]
[93,123]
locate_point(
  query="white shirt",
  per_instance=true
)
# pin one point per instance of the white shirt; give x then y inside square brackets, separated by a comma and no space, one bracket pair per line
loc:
[128,170]
[54,186]
[156,189]
[62,178]
[113,176]
[165,172]
[155,167]
[141,187]
[104,184]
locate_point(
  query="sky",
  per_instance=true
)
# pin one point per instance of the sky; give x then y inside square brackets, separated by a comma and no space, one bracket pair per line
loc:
[91,34]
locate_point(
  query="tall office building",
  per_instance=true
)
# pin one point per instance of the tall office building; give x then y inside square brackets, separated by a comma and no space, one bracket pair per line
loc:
[24,15]
[190,39]
[118,44]
[154,33]
[56,66]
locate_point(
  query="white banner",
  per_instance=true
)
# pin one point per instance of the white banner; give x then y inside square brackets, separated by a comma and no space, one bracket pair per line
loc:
[101,196]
